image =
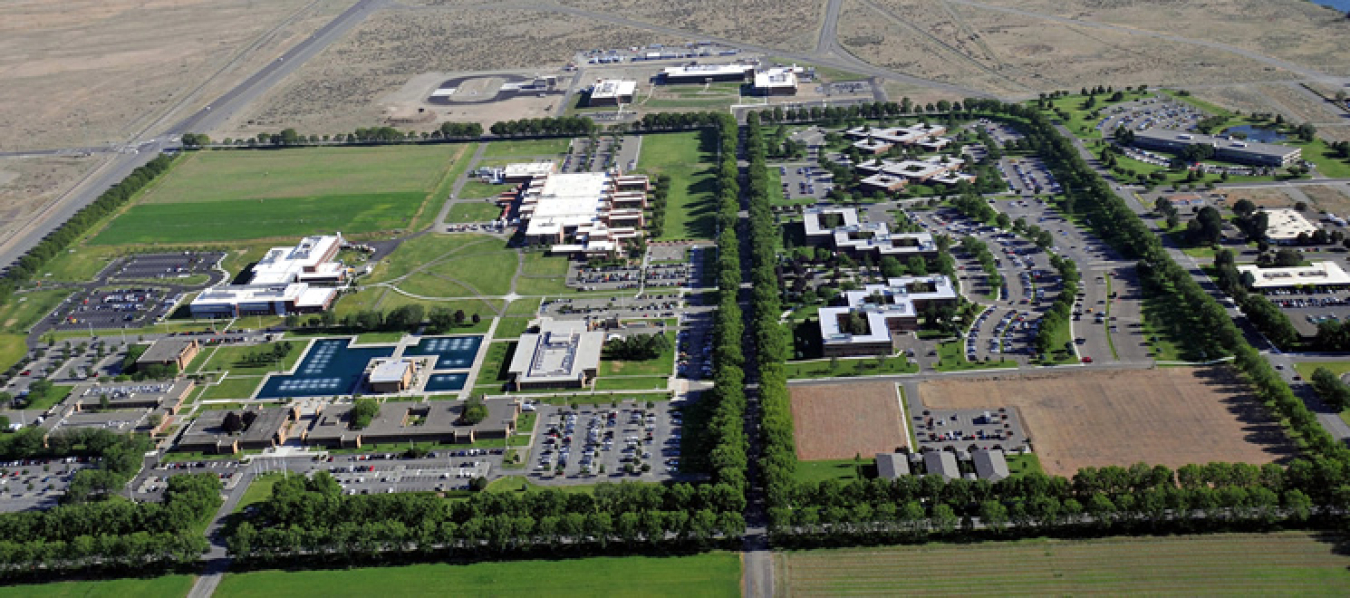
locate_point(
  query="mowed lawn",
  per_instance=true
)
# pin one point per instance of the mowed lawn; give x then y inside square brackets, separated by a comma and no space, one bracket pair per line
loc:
[712,574]
[283,193]
[154,587]
[1280,564]
[692,202]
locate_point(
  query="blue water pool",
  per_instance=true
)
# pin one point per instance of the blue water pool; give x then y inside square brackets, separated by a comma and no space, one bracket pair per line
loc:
[452,352]
[442,382]
[330,368]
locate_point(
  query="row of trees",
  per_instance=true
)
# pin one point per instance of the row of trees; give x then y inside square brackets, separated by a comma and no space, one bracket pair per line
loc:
[289,137]
[311,517]
[1055,322]
[656,226]
[1264,315]
[563,125]
[114,534]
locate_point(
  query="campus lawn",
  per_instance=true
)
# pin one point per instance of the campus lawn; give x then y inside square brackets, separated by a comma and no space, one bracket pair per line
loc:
[636,383]
[208,177]
[952,358]
[59,393]
[513,483]
[1327,163]
[661,365]
[485,269]
[476,189]
[230,358]
[495,364]
[267,218]
[510,328]
[12,348]
[527,147]
[486,310]
[419,251]
[711,574]
[23,310]
[258,491]
[474,212]
[691,210]
[527,307]
[849,367]
[425,284]
[233,387]
[811,472]
[150,587]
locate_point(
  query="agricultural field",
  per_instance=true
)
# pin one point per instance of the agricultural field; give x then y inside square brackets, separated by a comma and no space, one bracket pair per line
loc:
[1278,564]
[692,209]
[839,421]
[1166,416]
[150,587]
[711,574]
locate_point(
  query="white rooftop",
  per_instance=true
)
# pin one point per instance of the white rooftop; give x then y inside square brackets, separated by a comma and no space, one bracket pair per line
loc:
[527,169]
[561,351]
[1317,273]
[285,264]
[707,70]
[567,200]
[1286,224]
[389,371]
[777,77]
[612,88]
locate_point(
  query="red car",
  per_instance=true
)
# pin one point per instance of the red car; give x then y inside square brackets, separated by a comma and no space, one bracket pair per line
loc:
[1087,360]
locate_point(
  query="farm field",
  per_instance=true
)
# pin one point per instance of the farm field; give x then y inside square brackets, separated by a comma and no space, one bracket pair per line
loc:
[838,421]
[1166,416]
[154,587]
[691,213]
[712,574]
[1283,564]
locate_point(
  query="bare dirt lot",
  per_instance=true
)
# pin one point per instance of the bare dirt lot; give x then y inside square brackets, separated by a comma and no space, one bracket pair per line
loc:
[1328,199]
[1168,416]
[99,71]
[1263,198]
[28,184]
[840,421]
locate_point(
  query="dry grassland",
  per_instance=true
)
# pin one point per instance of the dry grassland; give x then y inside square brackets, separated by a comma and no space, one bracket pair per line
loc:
[100,71]
[1167,416]
[787,24]
[1246,98]
[1293,30]
[1299,104]
[1328,199]
[29,184]
[839,421]
[358,80]
[1263,197]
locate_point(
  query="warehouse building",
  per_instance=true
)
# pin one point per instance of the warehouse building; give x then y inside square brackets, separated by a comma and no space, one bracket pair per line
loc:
[703,73]
[870,320]
[613,92]
[1225,148]
[589,213]
[562,354]
[1284,226]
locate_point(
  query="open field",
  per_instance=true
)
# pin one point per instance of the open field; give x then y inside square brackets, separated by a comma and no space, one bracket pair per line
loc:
[211,176]
[157,587]
[17,316]
[1283,564]
[712,574]
[1167,416]
[692,211]
[28,184]
[839,421]
[481,211]
[527,147]
[1327,198]
[229,358]
[419,251]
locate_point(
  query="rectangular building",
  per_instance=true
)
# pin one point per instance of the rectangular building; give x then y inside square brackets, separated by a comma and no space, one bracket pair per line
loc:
[892,465]
[1284,226]
[942,463]
[264,427]
[390,375]
[1319,274]
[591,213]
[839,228]
[990,465]
[613,92]
[779,81]
[563,354]
[702,73]
[174,351]
[402,422]
[1225,148]
[287,280]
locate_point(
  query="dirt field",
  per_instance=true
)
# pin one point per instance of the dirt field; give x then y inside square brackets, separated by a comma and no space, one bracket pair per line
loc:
[99,71]
[790,24]
[1168,416]
[839,421]
[28,184]
[1263,198]
[358,80]
[1328,199]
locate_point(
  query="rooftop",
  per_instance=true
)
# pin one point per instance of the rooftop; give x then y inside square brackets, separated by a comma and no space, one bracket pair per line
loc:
[1218,141]
[1317,273]
[166,350]
[285,264]
[613,88]
[561,351]
[1286,224]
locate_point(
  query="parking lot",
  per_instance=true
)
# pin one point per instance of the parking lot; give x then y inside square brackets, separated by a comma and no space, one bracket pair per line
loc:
[598,442]
[968,430]
[442,470]
[803,180]
[608,278]
[1027,176]
[129,307]
[1149,113]
[659,305]
[152,266]
[36,483]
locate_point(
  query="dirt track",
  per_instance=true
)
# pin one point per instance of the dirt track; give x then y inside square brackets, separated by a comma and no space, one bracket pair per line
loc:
[840,421]
[1168,416]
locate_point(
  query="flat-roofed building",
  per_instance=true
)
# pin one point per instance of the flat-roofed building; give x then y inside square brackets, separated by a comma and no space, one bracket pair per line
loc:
[1285,225]
[524,172]
[309,261]
[839,228]
[777,81]
[562,354]
[936,169]
[264,427]
[133,395]
[1319,274]
[177,352]
[1225,148]
[702,73]
[892,465]
[402,422]
[390,375]
[990,465]
[907,136]
[587,213]
[871,318]
[613,92]
[232,301]
[942,463]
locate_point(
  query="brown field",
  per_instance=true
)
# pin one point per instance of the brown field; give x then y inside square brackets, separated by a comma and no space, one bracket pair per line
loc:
[1277,564]
[1299,104]
[788,24]
[1263,197]
[1328,199]
[27,185]
[840,421]
[1167,416]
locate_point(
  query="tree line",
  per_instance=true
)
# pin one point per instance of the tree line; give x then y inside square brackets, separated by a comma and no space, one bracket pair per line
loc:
[656,226]
[311,518]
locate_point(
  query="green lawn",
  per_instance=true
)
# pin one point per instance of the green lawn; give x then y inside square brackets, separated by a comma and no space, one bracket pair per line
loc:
[1327,162]
[267,218]
[526,285]
[476,189]
[25,309]
[495,364]
[703,575]
[692,210]
[419,251]
[1020,465]
[527,147]
[1274,564]
[639,383]
[233,388]
[229,358]
[1306,368]
[952,358]
[478,211]
[59,393]
[12,348]
[208,177]
[425,284]
[850,367]
[487,270]
[522,484]
[832,469]
[150,587]
[509,328]
[540,264]
[527,307]
[258,491]
[661,365]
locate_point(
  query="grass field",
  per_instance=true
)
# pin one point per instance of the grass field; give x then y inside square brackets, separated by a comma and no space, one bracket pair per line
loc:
[850,367]
[1307,368]
[830,469]
[58,394]
[951,359]
[1281,564]
[208,177]
[712,574]
[510,328]
[661,365]
[638,383]
[692,210]
[418,251]
[486,269]
[17,316]
[233,388]
[478,211]
[152,587]
[228,358]
[527,147]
